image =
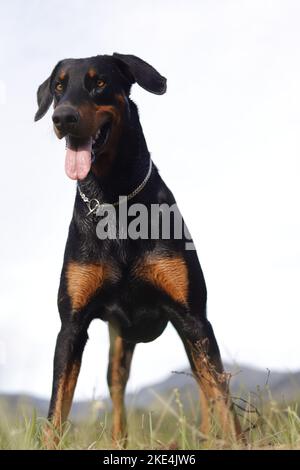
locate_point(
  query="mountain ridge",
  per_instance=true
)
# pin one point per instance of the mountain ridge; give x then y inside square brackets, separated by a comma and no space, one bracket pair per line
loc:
[245,380]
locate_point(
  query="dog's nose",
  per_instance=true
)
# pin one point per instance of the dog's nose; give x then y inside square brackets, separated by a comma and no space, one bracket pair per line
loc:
[65,118]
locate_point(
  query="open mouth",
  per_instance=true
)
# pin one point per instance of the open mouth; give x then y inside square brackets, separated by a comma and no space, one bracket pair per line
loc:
[81,152]
[101,137]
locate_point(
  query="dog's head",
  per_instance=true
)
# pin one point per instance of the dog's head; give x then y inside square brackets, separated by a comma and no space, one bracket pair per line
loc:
[91,103]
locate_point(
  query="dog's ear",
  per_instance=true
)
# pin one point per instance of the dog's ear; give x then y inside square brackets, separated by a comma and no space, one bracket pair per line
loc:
[137,70]
[44,99]
[45,95]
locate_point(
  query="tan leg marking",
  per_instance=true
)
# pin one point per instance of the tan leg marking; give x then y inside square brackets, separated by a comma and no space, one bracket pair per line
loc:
[120,358]
[65,394]
[214,387]
[62,408]
[168,274]
[205,413]
[116,390]
[83,280]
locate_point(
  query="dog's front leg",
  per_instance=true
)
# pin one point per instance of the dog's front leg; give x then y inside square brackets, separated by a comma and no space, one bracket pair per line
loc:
[205,360]
[73,298]
[67,360]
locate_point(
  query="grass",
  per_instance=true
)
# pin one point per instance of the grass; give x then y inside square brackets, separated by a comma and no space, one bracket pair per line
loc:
[271,425]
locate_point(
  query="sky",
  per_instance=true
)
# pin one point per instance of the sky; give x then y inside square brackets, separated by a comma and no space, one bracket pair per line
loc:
[226,138]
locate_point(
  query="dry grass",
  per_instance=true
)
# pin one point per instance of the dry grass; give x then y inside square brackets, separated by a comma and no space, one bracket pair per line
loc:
[270,426]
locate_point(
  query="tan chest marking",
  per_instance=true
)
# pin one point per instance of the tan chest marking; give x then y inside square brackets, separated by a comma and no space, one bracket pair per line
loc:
[168,274]
[83,280]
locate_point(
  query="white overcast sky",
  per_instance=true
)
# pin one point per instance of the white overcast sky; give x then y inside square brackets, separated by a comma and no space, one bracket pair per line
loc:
[226,138]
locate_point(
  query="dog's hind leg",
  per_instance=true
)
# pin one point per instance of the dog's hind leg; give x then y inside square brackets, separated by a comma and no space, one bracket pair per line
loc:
[120,356]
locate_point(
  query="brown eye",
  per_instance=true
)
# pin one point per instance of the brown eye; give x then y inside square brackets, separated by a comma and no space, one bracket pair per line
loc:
[101,83]
[59,87]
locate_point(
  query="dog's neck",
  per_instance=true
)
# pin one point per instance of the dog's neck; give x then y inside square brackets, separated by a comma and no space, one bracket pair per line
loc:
[127,168]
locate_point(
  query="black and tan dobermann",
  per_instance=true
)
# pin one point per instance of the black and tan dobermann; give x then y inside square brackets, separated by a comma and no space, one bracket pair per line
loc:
[137,285]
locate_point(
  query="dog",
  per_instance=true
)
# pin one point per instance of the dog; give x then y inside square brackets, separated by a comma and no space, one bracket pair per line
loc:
[135,284]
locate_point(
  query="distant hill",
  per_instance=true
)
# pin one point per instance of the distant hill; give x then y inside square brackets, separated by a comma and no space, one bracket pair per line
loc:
[244,380]
[282,385]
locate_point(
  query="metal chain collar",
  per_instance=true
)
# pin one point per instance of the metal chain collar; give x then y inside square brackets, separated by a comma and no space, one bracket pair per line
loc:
[94,204]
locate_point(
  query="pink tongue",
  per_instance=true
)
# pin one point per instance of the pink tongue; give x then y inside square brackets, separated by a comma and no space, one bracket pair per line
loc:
[78,160]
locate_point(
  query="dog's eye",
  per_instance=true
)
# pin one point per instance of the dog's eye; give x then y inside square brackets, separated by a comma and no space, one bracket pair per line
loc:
[101,83]
[59,87]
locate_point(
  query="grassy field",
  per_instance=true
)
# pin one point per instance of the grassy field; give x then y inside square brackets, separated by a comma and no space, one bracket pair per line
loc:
[270,426]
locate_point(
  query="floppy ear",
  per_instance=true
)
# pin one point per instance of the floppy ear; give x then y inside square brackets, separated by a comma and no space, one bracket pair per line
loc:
[44,99]
[45,95]
[137,70]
